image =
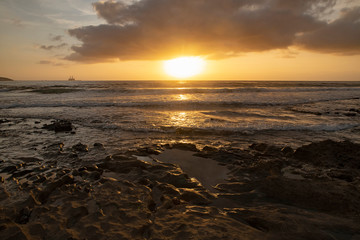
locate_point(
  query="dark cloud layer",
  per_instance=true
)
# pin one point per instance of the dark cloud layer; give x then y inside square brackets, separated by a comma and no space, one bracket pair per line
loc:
[341,36]
[52,47]
[162,29]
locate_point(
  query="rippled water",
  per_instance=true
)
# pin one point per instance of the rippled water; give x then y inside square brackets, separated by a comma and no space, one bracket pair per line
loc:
[209,113]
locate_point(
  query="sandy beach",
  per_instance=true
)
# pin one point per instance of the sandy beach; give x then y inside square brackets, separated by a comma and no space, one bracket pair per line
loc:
[180,191]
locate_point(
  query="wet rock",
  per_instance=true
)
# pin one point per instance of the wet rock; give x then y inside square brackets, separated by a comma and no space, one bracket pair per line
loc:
[207,152]
[235,187]
[13,232]
[244,198]
[330,154]
[80,147]
[21,173]
[41,179]
[151,205]
[195,197]
[346,175]
[354,110]
[144,181]
[75,172]
[179,180]
[147,151]
[107,179]
[10,169]
[91,168]
[75,214]
[59,126]
[263,168]
[145,231]
[260,147]
[94,175]
[99,146]
[341,198]
[29,159]
[287,151]
[3,193]
[186,147]
[265,149]
[45,193]
[124,166]
[168,189]
[4,121]
[209,149]
[23,216]
[36,229]
[350,114]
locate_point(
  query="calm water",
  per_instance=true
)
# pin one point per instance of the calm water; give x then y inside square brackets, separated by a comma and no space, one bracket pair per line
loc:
[124,114]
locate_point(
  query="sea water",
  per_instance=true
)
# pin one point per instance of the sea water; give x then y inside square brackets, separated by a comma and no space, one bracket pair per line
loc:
[123,114]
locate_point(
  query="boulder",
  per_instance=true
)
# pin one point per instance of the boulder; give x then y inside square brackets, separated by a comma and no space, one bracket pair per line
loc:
[330,154]
[59,126]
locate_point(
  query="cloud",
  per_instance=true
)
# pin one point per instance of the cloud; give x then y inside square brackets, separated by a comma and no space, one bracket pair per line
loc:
[17,22]
[57,38]
[341,36]
[48,62]
[162,29]
[52,47]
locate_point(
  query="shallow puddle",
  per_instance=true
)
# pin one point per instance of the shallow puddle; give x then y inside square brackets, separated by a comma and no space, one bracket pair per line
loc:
[205,170]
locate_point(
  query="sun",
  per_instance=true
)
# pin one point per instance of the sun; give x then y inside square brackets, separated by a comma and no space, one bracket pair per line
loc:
[184,67]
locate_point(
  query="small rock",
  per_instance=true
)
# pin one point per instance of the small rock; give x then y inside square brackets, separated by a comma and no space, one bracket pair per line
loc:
[287,151]
[179,180]
[99,146]
[260,147]
[59,126]
[80,147]
[209,149]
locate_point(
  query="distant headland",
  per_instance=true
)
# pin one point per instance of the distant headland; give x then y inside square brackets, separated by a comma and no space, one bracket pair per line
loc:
[3,79]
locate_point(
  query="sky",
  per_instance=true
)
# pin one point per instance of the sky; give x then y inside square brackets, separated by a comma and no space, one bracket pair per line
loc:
[130,39]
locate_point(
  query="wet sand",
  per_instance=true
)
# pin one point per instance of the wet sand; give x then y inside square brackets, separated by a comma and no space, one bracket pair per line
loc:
[178,191]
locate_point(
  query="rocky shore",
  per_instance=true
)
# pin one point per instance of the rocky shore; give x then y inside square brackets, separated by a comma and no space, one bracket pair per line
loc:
[268,192]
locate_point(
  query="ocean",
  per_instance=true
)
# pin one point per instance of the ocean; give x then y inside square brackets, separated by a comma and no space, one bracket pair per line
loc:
[130,114]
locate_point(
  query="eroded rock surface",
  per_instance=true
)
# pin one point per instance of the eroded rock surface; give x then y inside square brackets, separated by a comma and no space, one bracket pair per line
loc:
[269,193]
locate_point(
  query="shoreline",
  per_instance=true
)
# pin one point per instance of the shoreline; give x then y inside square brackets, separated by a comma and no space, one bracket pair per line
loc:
[269,192]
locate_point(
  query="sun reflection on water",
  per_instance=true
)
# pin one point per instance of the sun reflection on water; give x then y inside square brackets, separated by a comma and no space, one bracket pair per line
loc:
[182,97]
[179,118]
